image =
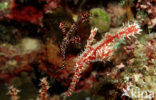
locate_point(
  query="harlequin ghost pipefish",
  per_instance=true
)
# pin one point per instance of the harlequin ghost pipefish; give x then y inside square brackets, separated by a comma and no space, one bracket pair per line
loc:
[101,50]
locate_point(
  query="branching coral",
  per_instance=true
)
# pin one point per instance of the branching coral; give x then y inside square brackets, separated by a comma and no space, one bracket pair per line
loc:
[100,51]
[14,93]
[43,91]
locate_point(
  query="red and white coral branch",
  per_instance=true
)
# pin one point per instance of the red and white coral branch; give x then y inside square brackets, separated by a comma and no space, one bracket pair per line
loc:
[14,93]
[102,50]
[43,91]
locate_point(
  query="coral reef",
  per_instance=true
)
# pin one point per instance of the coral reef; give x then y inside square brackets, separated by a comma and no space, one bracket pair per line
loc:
[148,6]
[77,49]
